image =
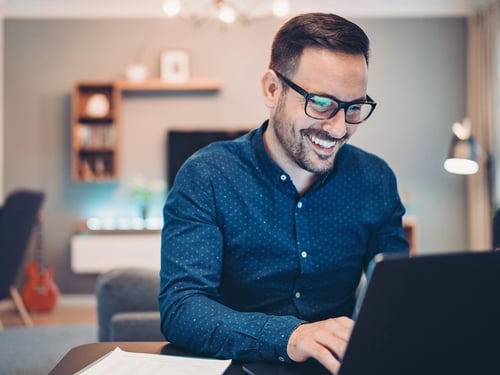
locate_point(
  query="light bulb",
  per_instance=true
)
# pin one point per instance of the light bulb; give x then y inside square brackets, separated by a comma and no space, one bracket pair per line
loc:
[227,14]
[461,166]
[281,8]
[172,7]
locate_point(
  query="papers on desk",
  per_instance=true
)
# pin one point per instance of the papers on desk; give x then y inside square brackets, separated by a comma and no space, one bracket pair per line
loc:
[122,362]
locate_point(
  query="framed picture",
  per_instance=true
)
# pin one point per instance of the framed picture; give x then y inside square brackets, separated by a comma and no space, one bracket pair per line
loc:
[175,66]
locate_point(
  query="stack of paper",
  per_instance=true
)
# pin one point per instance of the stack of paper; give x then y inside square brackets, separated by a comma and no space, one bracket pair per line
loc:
[122,362]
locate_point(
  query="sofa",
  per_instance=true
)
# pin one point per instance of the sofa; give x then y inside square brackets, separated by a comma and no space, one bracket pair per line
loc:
[127,305]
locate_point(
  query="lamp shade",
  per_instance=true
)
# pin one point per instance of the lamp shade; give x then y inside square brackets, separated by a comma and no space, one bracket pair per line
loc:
[462,157]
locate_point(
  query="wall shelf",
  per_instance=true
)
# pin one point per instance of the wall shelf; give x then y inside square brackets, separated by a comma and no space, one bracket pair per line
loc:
[195,84]
[96,137]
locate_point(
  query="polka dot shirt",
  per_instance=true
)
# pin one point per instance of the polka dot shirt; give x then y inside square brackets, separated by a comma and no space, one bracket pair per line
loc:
[245,259]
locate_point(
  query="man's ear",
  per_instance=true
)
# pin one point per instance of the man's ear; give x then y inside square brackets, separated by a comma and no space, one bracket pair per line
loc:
[271,88]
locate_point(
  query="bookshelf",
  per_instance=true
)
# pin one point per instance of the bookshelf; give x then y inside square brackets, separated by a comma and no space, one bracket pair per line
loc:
[95,130]
[96,122]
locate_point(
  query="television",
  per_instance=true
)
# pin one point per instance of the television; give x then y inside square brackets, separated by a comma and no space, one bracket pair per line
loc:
[182,144]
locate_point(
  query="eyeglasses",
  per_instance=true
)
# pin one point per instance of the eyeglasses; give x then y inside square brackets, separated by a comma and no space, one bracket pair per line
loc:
[322,107]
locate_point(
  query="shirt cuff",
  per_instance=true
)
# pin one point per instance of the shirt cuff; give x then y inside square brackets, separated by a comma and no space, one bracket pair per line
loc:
[274,337]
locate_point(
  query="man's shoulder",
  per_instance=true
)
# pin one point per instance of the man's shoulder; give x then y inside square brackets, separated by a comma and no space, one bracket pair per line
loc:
[363,164]
[363,167]
[357,154]
[222,155]
[224,148]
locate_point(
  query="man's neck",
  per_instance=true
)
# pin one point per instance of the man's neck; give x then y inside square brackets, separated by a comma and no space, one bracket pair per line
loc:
[301,178]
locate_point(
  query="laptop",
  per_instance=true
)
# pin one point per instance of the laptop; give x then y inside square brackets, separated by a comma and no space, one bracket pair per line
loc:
[428,314]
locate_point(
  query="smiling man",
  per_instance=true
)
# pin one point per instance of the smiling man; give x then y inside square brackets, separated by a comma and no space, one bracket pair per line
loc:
[266,237]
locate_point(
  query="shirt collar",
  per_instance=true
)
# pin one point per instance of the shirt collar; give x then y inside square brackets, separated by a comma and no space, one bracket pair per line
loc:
[268,166]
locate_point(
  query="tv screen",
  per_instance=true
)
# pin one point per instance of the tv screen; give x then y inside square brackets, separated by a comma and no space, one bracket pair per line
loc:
[182,144]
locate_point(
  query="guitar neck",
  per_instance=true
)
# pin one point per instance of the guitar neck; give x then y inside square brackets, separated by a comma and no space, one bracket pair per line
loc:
[38,232]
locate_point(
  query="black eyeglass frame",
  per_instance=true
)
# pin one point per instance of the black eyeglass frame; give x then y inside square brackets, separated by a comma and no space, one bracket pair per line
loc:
[341,105]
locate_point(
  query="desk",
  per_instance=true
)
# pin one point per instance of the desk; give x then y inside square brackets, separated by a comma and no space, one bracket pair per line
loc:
[83,355]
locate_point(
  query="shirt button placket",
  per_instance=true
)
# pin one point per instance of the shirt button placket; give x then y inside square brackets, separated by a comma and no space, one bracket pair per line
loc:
[303,254]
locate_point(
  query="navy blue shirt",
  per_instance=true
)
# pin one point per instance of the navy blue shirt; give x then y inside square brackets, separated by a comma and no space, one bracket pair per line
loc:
[245,259]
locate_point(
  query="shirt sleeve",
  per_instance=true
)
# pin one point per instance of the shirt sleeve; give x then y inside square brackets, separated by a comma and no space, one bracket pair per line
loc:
[193,313]
[389,236]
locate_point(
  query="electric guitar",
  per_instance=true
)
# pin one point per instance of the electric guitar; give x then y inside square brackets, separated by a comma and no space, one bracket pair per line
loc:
[40,292]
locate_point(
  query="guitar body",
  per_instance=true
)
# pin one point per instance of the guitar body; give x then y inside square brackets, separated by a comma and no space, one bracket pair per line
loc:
[40,292]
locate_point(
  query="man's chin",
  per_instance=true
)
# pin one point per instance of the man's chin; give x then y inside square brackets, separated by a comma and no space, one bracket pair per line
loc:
[319,166]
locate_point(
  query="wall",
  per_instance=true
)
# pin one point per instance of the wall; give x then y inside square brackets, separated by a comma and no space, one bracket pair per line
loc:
[417,75]
[1,105]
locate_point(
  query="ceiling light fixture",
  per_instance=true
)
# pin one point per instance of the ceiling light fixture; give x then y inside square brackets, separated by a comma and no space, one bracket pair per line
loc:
[226,11]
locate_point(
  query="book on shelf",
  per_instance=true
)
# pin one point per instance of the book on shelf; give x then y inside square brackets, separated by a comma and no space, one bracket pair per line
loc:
[96,135]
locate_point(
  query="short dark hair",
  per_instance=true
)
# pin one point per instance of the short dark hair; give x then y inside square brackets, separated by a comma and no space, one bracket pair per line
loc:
[315,30]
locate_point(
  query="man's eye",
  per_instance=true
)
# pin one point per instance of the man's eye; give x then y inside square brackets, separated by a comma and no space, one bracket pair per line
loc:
[321,103]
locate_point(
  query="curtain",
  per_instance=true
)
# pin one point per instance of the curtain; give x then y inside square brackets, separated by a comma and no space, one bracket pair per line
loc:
[482,109]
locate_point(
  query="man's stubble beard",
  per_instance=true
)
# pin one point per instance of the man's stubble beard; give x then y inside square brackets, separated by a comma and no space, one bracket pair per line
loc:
[295,145]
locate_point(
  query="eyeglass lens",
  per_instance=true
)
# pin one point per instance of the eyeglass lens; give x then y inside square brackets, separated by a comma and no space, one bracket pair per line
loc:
[321,107]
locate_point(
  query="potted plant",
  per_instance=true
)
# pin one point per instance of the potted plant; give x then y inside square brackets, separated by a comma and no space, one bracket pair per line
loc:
[144,192]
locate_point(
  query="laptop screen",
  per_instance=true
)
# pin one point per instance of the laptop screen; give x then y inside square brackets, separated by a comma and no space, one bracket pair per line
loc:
[430,314]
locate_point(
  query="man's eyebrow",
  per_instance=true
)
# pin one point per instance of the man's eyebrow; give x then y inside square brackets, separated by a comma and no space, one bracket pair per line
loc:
[360,99]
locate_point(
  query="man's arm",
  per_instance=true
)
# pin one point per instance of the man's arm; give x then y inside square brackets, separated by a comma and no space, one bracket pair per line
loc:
[389,236]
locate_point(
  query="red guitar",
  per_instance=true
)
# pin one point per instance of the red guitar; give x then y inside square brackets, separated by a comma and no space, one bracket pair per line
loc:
[40,293]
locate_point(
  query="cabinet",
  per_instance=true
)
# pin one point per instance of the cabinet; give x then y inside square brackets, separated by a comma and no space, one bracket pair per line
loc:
[101,252]
[96,122]
[95,132]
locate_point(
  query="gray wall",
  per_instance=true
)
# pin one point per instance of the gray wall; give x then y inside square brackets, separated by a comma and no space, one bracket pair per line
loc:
[417,75]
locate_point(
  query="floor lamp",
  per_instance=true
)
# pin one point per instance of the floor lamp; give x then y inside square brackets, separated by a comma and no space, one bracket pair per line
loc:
[462,156]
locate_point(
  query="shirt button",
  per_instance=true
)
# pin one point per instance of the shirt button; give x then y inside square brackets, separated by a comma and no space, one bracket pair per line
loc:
[299,205]
[283,177]
[303,254]
[297,294]
[281,359]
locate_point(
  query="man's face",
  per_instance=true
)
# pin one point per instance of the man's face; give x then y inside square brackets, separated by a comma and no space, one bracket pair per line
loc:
[309,143]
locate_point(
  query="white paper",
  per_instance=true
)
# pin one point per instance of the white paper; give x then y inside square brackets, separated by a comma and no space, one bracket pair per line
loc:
[121,362]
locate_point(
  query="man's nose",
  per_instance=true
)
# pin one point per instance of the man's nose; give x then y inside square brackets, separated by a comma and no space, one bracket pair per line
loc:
[336,126]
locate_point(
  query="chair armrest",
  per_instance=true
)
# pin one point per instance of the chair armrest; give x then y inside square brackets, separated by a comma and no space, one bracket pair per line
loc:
[125,290]
[136,326]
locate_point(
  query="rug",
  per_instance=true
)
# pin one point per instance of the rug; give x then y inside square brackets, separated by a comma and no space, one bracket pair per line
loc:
[37,350]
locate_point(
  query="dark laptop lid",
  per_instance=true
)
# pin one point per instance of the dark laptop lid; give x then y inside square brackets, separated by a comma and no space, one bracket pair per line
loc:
[432,314]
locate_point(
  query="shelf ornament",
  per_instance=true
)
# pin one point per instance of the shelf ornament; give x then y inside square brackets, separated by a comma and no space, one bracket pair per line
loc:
[97,105]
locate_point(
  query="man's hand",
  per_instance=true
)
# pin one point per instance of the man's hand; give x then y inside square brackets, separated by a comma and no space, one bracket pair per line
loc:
[325,341]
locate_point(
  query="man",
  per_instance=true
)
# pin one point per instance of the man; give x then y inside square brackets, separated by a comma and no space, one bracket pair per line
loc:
[266,237]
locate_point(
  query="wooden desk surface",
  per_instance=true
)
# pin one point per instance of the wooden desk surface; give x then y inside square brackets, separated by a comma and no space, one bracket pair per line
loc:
[81,356]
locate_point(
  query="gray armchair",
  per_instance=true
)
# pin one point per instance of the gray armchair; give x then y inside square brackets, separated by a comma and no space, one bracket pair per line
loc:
[127,305]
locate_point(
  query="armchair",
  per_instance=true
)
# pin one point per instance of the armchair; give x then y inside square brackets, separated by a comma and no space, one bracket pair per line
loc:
[127,305]
[17,219]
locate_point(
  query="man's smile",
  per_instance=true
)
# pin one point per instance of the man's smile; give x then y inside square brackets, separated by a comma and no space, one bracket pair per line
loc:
[323,143]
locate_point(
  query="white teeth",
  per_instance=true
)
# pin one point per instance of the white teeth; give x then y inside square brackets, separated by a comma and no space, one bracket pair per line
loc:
[322,142]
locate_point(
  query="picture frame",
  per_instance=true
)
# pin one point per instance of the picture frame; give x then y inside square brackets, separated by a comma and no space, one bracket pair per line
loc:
[175,66]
